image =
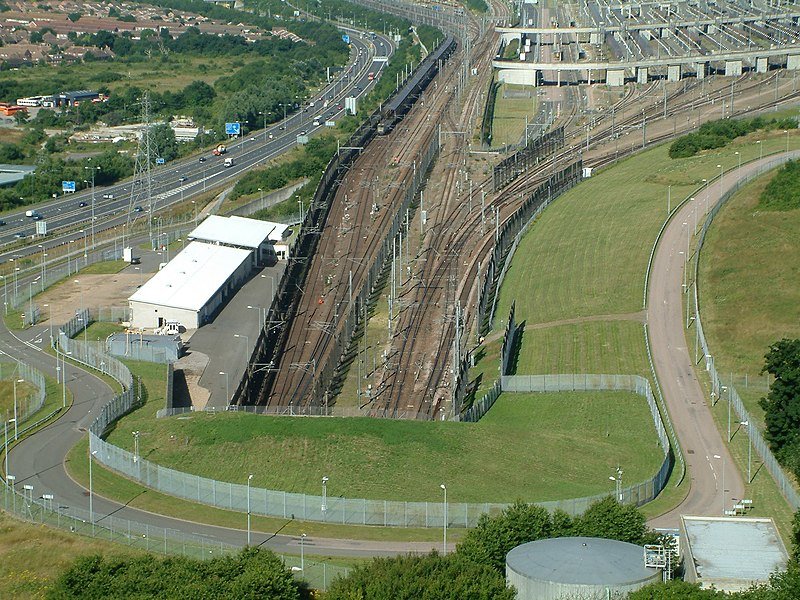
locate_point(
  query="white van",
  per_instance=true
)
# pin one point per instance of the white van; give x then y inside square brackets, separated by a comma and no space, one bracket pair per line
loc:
[228,162]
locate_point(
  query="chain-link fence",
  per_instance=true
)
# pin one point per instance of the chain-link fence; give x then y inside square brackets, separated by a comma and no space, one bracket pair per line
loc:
[783,481]
[27,405]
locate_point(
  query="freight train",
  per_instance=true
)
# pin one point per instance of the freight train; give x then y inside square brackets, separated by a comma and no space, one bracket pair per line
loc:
[399,104]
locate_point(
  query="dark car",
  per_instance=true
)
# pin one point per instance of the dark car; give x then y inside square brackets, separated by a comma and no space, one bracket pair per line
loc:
[2,222]
[82,204]
[202,159]
[182,179]
[137,209]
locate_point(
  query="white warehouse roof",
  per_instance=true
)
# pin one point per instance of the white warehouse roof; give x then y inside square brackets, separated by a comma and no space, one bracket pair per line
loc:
[278,229]
[192,278]
[234,231]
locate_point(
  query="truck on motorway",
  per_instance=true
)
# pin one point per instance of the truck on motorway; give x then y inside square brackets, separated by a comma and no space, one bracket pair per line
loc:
[219,150]
[228,162]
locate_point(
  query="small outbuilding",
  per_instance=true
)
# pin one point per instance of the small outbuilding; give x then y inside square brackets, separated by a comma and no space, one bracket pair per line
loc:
[191,287]
[577,567]
[730,553]
[240,232]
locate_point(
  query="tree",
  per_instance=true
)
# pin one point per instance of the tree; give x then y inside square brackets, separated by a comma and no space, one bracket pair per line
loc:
[432,577]
[493,537]
[607,518]
[163,138]
[74,16]
[782,403]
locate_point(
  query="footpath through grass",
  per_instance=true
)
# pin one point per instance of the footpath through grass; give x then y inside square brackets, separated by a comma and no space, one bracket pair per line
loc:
[587,256]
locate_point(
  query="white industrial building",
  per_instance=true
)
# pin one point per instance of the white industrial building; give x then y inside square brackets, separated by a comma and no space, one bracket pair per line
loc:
[191,287]
[265,239]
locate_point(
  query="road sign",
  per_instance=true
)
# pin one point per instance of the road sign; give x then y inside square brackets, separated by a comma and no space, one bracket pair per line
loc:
[233,128]
[41,227]
[346,39]
[302,139]
[68,186]
[160,161]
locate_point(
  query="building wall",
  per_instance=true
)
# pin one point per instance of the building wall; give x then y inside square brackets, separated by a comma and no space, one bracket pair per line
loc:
[146,315]
[533,589]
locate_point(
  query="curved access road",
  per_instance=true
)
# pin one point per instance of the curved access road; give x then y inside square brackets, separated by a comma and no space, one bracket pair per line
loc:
[40,461]
[715,481]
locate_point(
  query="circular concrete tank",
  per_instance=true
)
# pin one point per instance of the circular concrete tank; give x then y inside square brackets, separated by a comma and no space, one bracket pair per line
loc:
[577,567]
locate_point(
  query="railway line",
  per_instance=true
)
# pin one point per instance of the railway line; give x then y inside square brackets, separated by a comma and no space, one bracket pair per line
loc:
[434,295]
[361,215]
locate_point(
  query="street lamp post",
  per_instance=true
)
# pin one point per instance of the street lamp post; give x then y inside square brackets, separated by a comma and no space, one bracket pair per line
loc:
[760,149]
[302,553]
[718,457]
[12,479]
[227,390]
[444,520]
[786,131]
[135,446]
[618,481]
[16,381]
[749,450]
[94,170]
[5,447]
[262,313]
[246,341]
[324,496]
[91,503]
[249,479]
[739,158]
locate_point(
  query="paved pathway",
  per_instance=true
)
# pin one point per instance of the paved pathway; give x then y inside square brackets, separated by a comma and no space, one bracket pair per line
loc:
[715,481]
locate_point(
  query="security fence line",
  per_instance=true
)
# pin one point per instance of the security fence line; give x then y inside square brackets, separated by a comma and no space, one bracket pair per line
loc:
[46,510]
[507,237]
[33,402]
[108,527]
[17,295]
[230,496]
[783,481]
[475,412]
[530,155]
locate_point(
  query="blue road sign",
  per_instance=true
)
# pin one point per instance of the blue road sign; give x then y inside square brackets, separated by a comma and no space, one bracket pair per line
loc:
[67,186]
[160,161]
[346,39]
[233,128]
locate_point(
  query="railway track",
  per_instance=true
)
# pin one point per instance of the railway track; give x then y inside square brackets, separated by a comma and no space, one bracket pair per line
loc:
[360,217]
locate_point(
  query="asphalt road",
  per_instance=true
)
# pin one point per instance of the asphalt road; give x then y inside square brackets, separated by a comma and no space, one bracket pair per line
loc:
[64,213]
[715,481]
[40,461]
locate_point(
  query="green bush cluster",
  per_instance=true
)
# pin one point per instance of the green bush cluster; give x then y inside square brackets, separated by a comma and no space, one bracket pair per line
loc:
[481,556]
[716,134]
[252,574]
[312,161]
[783,191]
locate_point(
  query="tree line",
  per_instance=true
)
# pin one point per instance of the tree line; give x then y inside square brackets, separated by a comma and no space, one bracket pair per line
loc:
[475,571]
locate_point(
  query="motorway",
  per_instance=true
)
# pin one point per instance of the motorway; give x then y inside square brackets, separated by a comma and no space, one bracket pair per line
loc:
[64,215]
